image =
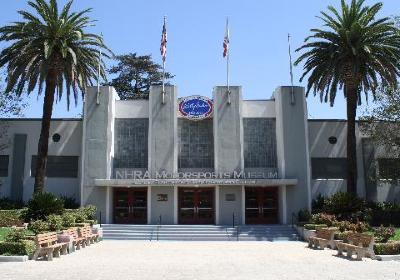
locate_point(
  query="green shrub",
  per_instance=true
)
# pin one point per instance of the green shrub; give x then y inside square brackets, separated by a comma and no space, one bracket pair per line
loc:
[342,236]
[90,211]
[385,213]
[68,219]
[382,234]
[25,247]
[304,215]
[10,204]
[349,226]
[9,218]
[314,226]
[43,204]
[91,222]
[323,218]
[55,222]
[38,226]
[69,202]
[347,206]
[15,236]
[387,248]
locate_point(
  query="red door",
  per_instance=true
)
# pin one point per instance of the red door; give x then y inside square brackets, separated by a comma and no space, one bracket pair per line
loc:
[196,206]
[261,205]
[130,205]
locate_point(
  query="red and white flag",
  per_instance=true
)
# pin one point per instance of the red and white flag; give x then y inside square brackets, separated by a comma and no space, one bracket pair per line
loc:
[163,47]
[226,40]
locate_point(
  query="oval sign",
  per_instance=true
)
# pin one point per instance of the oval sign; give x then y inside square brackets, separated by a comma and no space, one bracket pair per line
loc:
[195,107]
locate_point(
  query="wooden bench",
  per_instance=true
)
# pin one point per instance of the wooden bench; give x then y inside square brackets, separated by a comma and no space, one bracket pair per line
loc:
[77,241]
[323,239]
[86,232]
[46,245]
[360,244]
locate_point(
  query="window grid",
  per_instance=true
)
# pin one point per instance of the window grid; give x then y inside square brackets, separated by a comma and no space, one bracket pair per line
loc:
[131,143]
[259,143]
[196,144]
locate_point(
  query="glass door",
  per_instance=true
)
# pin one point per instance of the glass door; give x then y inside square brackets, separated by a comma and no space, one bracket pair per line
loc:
[196,206]
[261,205]
[130,206]
[121,206]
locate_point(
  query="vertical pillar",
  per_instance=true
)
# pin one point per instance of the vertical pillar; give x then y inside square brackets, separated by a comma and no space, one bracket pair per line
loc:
[97,147]
[243,206]
[163,130]
[175,205]
[292,147]
[18,167]
[217,210]
[149,205]
[228,130]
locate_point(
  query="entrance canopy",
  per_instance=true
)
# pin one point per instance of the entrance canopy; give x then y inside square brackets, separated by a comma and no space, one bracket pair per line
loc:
[194,182]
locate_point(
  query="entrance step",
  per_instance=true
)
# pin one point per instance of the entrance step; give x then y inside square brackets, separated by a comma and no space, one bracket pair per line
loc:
[199,233]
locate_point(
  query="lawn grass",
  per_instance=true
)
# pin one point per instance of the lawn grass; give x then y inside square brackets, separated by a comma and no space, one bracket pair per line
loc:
[397,236]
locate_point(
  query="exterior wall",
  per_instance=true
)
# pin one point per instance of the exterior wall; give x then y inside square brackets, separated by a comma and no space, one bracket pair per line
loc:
[163,208]
[292,146]
[69,145]
[228,130]
[98,146]
[227,208]
[319,132]
[163,130]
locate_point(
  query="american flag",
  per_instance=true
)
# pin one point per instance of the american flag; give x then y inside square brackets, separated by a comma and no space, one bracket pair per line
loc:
[226,41]
[163,47]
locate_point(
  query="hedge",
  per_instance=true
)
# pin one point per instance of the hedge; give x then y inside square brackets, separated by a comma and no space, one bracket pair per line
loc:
[315,226]
[9,218]
[387,248]
[22,248]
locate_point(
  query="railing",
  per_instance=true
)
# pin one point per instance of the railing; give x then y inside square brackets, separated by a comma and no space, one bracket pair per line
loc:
[151,234]
[158,226]
[235,225]
[100,219]
[295,219]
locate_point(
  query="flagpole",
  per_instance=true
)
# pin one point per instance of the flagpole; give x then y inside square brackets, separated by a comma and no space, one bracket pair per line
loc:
[98,76]
[292,97]
[163,76]
[227,66]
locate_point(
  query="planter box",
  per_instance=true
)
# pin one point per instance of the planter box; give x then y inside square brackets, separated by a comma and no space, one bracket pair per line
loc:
[385,258]
[13,258]
[305,233]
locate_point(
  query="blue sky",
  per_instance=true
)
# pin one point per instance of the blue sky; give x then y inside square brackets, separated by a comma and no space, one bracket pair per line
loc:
[258,33]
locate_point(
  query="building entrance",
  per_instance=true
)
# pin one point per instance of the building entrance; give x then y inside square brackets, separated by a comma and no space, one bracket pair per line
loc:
[130,206]
[196,205]
[261,205]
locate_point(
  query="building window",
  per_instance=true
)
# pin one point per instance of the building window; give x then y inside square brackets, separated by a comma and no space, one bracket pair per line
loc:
[389,168]
[259,143]
[329,168]
[131,143]
[196,144]
[4,166]
[58,166]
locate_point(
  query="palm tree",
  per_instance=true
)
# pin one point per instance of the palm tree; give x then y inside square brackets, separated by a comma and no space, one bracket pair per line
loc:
[357,53]
[51,49]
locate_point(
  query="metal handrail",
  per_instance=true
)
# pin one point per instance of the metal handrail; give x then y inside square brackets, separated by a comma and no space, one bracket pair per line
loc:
[294,217]
[158,226]
[151,235]
[235,224]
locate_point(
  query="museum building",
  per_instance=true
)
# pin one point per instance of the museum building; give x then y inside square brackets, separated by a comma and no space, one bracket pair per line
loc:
[190,160]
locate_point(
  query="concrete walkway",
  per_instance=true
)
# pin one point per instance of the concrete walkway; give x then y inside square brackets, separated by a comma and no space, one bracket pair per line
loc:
[200,260]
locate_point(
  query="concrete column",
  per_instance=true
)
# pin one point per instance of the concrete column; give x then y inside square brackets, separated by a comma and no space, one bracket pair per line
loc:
[163,130]
[228,130]
[98,145]
[292,148]
[18,167]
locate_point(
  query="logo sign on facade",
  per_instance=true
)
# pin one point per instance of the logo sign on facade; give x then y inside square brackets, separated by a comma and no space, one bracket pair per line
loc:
[195,107]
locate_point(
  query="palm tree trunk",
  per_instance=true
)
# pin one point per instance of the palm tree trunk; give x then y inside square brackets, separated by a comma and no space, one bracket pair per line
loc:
[43,145]
[351,140]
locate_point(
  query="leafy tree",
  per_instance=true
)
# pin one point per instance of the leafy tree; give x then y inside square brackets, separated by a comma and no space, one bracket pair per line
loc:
[11,105]
[357,53]
[51,50]
[136,73]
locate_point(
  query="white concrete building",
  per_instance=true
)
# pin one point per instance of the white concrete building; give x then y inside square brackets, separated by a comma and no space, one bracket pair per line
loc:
[139,160]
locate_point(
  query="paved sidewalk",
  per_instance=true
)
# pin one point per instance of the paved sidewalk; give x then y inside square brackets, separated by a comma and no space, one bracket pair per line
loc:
[200,260]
